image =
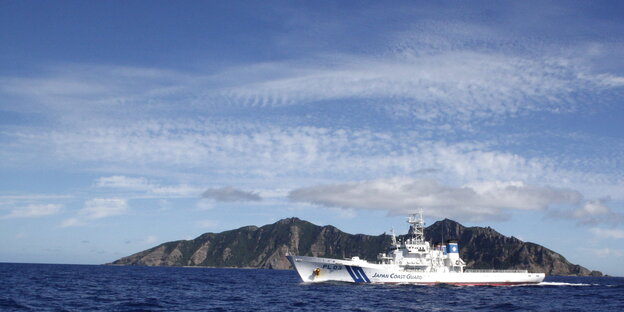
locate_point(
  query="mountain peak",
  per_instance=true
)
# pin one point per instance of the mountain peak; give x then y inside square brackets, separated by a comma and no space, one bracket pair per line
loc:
[290,220]
[446,222]
[443,230]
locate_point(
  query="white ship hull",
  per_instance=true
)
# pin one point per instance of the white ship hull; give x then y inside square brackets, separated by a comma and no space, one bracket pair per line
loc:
[314,269]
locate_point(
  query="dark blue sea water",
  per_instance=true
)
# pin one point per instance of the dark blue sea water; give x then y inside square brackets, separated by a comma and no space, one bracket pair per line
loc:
[49,287]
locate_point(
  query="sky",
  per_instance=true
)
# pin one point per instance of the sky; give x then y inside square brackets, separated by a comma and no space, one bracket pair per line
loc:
[125,124]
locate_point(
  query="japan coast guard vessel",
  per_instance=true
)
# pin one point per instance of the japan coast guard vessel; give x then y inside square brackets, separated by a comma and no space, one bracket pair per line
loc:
[411,261]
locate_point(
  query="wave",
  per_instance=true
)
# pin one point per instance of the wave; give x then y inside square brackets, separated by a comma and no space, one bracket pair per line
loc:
[562,284]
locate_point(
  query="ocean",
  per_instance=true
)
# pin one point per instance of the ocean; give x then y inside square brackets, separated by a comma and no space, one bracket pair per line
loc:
[57,287]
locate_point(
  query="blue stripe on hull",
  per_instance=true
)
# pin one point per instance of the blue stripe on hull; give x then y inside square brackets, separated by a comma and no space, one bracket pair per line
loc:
[357,274]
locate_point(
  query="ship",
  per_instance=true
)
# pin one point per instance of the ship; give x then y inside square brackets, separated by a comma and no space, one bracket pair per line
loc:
[410,260]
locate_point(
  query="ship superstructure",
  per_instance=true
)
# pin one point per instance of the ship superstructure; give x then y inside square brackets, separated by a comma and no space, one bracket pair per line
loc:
[409,260]
[415,254]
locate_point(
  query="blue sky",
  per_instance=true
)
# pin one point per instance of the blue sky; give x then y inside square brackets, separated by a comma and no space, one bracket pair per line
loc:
[128,124]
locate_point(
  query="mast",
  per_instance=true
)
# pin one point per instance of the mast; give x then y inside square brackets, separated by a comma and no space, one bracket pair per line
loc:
[417,227]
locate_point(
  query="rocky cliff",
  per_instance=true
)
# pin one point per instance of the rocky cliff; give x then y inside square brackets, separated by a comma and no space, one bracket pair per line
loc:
[484,248]
[265,247]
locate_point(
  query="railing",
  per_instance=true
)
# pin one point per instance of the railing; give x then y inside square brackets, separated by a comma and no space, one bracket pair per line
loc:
[415,270]
[495,271]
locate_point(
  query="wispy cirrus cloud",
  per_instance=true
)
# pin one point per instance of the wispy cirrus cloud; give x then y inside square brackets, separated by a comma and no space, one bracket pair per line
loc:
[150,239]
[453,84]
[255,151]
[97,208]
[142,187]
[230,194]
[33,211]
[265,150]
[425,81]
[435,71]
[207,224]
[34,197]
[123,182]
[608,233]
[73,90]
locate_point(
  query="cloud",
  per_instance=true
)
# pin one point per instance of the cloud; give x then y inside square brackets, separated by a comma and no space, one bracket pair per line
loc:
[72,222]
[517,195]
[344,213]
[591,209]
[206,224]
[484,200]
[430,82]
[268,150]
[181,190]
[147,188]
[605,252]
[255,152]
[73,90]
[12,198]
[164,204]
[123,182]
[420,75]
[592,212]
[33,211]
[204,204]
[150,239]
[97,208]
[459,85]
[608,233]
[230,194]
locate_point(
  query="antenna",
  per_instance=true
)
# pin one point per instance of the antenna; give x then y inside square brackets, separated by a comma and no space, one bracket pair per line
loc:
[442,230]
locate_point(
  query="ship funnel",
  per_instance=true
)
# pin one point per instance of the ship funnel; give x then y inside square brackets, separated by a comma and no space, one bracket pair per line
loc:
[452,249]
[452,246]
